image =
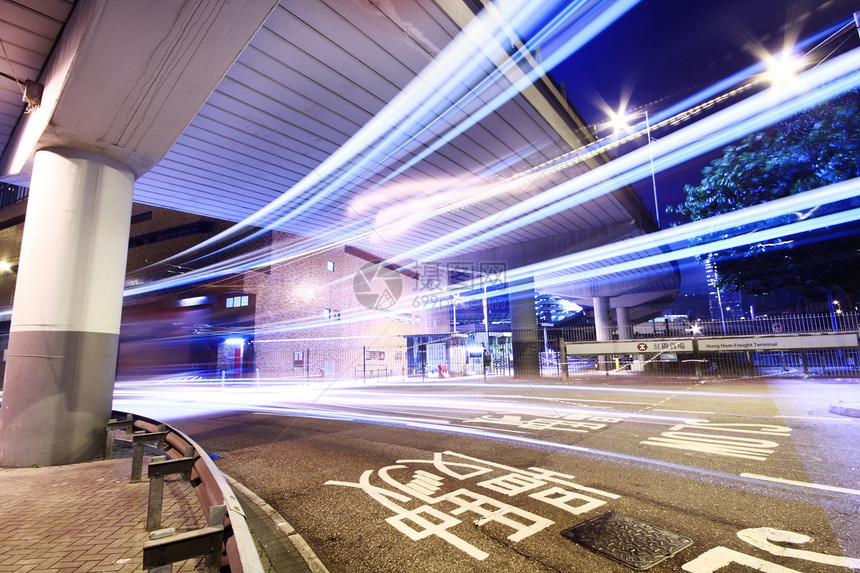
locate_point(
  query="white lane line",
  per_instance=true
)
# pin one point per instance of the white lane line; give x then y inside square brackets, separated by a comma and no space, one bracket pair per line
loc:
[683,411]
[804,484]
[828,418]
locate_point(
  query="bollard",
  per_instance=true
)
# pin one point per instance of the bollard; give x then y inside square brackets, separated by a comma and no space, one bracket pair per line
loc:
[208,542]
[161,534]
[156,496]
[157,469]
[217,515]
[138,441]
[113,425]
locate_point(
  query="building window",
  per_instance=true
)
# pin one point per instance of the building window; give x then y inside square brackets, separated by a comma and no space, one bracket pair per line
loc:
[237,301]
[330,266]
[171,233]
[329,314]
[11,194]
[141,217]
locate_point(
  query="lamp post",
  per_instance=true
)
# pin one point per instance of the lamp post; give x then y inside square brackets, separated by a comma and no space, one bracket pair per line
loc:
[653,175]
[620,123]
[484,304]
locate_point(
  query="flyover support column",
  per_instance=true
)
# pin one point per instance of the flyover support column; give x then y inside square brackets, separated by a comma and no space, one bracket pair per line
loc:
[601,326]
[601,318]
[61,361]
[525,337]
[622,316]
[625,332]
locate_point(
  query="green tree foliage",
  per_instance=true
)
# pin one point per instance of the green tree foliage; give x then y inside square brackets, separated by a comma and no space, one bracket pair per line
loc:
[808,151]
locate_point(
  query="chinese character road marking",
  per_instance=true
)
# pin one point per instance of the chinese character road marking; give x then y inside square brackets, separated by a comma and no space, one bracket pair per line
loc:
[425,487]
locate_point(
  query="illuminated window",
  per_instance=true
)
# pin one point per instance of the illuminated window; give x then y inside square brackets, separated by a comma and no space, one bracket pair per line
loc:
[329,314]
[237,301]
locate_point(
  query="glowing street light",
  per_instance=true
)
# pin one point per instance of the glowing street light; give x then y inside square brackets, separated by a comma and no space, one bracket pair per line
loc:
[782,67]
[621,122]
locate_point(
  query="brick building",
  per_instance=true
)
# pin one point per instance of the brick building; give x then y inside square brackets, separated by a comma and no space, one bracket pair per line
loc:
[290,317]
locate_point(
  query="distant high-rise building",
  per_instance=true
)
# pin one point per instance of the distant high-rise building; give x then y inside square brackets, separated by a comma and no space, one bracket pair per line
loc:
[693,305]
[724,305]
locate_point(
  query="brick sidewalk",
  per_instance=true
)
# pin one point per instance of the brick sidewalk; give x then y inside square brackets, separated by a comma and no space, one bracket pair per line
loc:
[85,517]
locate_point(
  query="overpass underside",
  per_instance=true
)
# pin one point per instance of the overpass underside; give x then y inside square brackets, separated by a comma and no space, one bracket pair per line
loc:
[339,121]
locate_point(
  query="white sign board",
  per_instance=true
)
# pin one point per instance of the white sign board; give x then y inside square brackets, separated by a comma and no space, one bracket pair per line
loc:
[649,346]
[759,343]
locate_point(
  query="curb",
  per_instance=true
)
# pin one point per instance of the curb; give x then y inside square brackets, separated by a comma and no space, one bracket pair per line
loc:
[313,562]
[846,409]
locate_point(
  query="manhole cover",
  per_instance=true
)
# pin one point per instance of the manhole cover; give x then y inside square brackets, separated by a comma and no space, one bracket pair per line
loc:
[634,543]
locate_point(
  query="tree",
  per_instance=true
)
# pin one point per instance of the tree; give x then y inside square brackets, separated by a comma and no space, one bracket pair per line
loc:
[810,150]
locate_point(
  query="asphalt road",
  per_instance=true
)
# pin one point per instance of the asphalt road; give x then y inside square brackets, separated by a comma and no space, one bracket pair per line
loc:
[728,476]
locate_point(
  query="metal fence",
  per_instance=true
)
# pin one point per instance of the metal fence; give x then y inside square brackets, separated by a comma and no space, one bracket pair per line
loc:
[832,362]
[543,353]
[385,358]
[765,325]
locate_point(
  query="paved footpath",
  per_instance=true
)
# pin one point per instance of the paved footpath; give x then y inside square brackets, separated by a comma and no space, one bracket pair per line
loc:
[89,517]
[85,517]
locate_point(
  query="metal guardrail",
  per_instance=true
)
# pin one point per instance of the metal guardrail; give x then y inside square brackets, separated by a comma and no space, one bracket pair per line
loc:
[211,487]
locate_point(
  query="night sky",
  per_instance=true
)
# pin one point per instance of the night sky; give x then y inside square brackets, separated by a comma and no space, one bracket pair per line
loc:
[662,51]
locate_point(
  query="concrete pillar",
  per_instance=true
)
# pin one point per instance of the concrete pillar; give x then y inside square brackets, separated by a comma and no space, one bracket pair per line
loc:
[602,327]
[625,329]
[525,337]
[61,361]
[601,318]
[625,332]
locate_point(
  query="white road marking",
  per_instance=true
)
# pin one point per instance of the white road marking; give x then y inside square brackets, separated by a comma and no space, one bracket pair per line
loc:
[718,557]
[828,418]
[803,484]
[762,537]
[681,411]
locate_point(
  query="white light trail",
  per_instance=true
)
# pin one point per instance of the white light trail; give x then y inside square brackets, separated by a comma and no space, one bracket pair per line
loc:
[761,110]
[826,81]
[198,399]
[639,246]
[448,74]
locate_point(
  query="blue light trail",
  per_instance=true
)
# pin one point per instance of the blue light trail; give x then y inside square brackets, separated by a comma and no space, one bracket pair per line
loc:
[382,137]
[827,80]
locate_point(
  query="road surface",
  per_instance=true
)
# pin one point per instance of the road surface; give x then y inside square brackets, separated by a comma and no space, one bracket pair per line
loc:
[511,476]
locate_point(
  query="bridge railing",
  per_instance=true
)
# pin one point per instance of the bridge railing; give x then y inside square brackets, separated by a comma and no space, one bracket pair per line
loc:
[212,490]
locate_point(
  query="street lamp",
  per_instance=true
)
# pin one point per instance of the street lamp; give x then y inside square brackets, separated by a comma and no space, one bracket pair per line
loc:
[454,302]
[782,68]
[621,122]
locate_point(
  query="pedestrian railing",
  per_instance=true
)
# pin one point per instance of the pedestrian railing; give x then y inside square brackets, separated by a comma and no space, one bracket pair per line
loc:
[226,542]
